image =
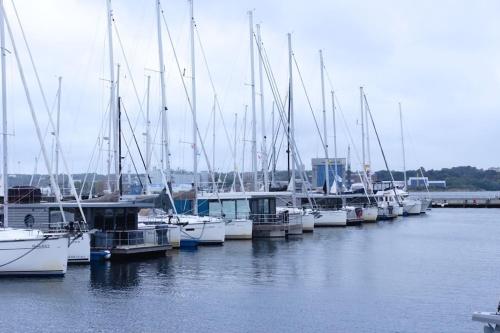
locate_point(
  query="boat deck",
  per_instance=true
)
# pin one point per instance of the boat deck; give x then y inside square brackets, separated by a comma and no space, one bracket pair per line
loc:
[136,250]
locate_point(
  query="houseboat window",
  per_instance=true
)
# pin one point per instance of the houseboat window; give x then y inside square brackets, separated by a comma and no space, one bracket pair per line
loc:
[214,208]
[229,208]
[29,221]
[242,208]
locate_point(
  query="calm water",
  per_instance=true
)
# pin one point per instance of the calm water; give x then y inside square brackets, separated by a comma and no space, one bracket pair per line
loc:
[418,274]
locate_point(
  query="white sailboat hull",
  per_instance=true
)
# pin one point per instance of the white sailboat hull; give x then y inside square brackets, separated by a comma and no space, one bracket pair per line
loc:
[239,229]
[411,207]
[79,249]
[174,235]
[330,218]
[426,203]
[204,232]
[294,226]
[398,210]
[370,214]
[307,223]
[36,256]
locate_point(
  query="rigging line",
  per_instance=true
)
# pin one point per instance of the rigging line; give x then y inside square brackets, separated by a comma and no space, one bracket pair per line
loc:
[346,128]
[281,112]
[133,163]
[63,158]
[207,160]
[136,143]
[380,145]
[351,140]
[309,102]
[96,146]
[20,69]
[141,113]
[216,99]
[276,140]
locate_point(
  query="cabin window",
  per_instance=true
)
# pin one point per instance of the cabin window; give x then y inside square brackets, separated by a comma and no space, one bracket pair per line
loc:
[214,208]
[29,221]
[242,209]
[229,208]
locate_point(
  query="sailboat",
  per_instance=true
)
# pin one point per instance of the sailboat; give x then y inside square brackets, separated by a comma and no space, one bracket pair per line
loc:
[194,229]
[410,206]
[22,251]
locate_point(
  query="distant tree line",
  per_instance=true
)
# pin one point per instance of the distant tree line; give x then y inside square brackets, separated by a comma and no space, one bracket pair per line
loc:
[457,178]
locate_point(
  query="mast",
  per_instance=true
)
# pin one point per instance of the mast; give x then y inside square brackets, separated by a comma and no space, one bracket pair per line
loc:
[273,147]
[165,153]
[292,125]
[325,134]
[120,178]
[58,121]
[368,152]
[402,144]
[254,117]
[213,137]
[244,144]
[4,123]
[361,94]
[193,100]
[335,173]
[263,118]
[148,139]
[112,98]
[119,131]
[235,143]
[348,172]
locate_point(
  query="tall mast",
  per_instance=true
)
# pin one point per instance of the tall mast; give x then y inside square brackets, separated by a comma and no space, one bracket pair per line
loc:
[325,133]
[402,143]
[213,136]
[112,98]
[244,144]
[335,156]
[254,117]
[273,148]
[368,152]
[119,179]
[165,153]
[193,100]
[4,123]
[148,139]
[263,118]
[292,124]
[235,171]
[348,172]
[58,121]
[361,94]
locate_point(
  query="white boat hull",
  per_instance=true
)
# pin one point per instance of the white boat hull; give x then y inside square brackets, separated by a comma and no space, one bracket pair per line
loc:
[398,210]
[39,256]
[239,229]
[204,232]
[307,223]
[174,235]
[426,203]
[370,214]
[79,249]
[411,207]
[294,225]
[330,218]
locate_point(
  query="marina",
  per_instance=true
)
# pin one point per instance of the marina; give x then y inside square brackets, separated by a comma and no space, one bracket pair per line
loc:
[190,166]
[369,267]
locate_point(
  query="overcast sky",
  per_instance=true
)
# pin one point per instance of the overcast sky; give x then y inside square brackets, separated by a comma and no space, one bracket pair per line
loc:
[438,58]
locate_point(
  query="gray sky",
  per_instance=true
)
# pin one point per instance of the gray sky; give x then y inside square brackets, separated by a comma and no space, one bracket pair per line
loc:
[437,57]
